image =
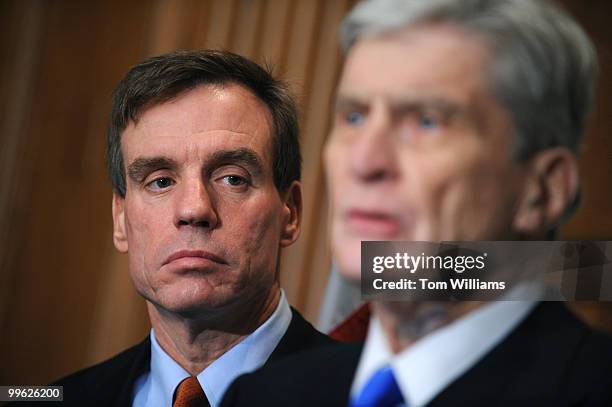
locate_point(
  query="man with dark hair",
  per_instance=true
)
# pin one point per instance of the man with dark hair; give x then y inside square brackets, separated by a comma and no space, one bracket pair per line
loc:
[204,159]
[455,120]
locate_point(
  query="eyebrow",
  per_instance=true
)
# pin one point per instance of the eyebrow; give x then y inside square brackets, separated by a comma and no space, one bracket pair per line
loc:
[142,166]
[244,156]
[343,103]
[399,106]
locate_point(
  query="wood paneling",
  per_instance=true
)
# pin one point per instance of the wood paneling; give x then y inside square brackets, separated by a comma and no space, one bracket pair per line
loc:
[60,231]
[21,24]
[594,218]
[66,300]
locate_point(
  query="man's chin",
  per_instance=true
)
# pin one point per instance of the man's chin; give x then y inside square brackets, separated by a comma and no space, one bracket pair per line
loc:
[193,307]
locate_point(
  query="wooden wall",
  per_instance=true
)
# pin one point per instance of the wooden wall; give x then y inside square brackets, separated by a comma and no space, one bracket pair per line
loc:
[594,218]
[65,296]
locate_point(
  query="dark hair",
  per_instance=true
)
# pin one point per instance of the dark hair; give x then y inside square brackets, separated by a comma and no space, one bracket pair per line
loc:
[164,77]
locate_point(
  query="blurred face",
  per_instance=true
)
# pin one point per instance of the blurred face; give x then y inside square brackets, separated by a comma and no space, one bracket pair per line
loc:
[420,149]
[202,220]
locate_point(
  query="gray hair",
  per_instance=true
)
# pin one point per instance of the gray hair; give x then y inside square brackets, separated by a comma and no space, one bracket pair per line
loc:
[543,68]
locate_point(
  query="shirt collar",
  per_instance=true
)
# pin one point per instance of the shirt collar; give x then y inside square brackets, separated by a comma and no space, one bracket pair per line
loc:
[246,356]
[433,362]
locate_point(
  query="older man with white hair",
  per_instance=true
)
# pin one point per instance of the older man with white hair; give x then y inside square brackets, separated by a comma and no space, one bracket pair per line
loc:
[455,120]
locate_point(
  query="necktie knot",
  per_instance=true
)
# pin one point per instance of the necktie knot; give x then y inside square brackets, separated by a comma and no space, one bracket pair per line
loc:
[189,393]
[381,390]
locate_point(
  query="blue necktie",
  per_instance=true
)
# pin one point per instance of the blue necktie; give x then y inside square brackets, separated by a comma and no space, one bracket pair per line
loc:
[380,391]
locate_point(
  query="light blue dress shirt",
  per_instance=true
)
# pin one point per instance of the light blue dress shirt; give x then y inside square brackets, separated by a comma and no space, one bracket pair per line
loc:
[156,387]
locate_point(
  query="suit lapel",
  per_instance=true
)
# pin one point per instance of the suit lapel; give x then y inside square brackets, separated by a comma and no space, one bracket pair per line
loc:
[525,366]
[138,363]
[300,335]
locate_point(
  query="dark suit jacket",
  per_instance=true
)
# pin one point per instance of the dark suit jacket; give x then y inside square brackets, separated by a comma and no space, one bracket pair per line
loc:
[111,382]
[550,359]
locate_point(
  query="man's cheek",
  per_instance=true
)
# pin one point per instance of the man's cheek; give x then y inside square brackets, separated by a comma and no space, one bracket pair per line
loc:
[445,210]
[246,241]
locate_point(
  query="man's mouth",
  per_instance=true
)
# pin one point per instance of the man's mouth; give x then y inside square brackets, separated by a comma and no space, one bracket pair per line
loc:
[194,259]
[373,223]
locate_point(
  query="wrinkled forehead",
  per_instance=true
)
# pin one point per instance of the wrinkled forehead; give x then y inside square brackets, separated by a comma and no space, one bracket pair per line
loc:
[429,59]
[200,121]
[227,106]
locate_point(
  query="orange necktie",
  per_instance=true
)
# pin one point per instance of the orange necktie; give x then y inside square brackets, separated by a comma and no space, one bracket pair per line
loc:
[189,394]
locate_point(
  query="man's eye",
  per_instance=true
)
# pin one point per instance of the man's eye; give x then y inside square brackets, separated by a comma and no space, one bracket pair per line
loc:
[160,183]
[428,122]
[354,118]
[235,180]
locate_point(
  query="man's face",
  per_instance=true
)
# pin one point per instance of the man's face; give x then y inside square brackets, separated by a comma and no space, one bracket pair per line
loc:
[202,220]
[420,149]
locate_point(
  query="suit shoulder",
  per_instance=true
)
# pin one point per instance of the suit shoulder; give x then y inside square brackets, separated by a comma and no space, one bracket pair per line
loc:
[321,377]
[311,335]
[299,337]
[551,358]
[107,368]
[592,363]
[110,381]
[588,378]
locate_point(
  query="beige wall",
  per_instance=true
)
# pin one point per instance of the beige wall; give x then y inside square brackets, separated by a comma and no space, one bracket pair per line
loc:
[65,296]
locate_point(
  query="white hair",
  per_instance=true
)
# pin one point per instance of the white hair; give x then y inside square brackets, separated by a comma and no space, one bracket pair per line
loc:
[543,66]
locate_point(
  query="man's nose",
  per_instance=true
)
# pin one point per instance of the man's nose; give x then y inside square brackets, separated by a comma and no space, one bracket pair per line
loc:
[373,153]
[195,206]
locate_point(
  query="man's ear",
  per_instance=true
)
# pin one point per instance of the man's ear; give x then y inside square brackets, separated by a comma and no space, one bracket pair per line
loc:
[551,187]
[292,214]
[119,230]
